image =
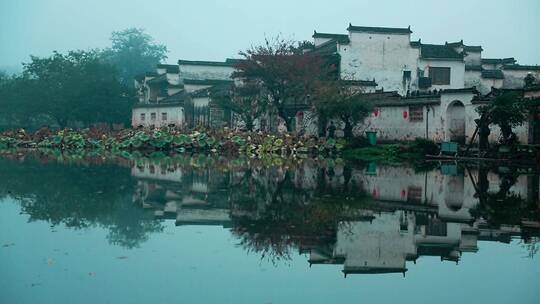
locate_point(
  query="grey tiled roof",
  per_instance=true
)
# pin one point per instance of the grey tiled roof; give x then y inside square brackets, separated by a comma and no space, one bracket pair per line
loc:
[176,98]
[473,48]
[158,105]
[509,60]
[435,51]
[382,30]
[473,68]
[341,38]
[170,68]
[158,79]
[518,67]
[416,43]
[207,81]
[227,63]
[222,89]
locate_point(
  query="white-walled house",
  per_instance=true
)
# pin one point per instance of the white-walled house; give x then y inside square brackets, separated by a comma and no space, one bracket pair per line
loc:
[421,90]
[178,94]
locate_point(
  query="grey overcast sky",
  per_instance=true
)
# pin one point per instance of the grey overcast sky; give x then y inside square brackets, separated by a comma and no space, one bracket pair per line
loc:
[214,30]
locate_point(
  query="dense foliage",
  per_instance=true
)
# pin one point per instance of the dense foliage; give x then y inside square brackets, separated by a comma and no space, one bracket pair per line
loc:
[507,111]
[134,52]
[335,100]
[79,88]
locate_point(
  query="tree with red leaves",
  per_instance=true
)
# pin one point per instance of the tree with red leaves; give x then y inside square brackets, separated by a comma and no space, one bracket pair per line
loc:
[284,72]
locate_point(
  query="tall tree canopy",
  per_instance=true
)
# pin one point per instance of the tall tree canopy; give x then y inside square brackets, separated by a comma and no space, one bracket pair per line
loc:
[134,52]
[284,73]
[77,88]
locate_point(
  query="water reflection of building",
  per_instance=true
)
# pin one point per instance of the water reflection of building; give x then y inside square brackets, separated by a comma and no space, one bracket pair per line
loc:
[410,214]
[183,195]
[420,214]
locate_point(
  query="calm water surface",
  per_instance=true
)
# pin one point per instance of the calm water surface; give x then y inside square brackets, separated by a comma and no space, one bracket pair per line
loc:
[214,230]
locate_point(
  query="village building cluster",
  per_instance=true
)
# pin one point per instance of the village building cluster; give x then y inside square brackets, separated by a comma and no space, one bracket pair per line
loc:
[420,90]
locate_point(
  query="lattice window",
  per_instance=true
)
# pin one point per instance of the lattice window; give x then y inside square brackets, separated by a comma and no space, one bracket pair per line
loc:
[416,113]
[439,75]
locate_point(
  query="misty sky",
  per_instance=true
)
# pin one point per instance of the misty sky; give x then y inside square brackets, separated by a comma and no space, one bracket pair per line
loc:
[214,30]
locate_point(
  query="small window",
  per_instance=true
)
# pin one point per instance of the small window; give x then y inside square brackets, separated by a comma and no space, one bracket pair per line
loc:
[143,116]
[406,75]
[153,116]
[439,75]
[416,114]
[436,227]
[163,116]
[414,194]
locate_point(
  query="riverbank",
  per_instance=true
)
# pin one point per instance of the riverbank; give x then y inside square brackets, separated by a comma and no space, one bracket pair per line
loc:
[222,142]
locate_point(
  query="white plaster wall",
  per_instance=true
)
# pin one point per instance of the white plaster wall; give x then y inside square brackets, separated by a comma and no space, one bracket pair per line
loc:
[473,58]
[474,79]
[514,79]
[318,41]
[205,72]
[391,124]
[173,78]
[483,85]
[380,56]
[175,115]
[200,102]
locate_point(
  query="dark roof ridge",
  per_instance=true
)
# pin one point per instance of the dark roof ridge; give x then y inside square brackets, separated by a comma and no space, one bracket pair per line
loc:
[373,29]
[521,67]
[328,35]
[227,63]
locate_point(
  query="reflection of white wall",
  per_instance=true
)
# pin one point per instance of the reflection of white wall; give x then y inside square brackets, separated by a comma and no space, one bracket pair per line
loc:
[374,245]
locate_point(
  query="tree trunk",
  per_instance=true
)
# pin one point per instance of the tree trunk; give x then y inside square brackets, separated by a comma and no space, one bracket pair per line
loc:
[322,126]
[282,114]
[249,123]
[509,137]
[348,130]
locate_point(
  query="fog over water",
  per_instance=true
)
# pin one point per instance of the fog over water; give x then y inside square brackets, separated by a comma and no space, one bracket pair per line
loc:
[213,30]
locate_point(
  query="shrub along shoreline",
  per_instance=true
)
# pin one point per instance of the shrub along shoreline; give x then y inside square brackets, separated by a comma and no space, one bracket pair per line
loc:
[221,142]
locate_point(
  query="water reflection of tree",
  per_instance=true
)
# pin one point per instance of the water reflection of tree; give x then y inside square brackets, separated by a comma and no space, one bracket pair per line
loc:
[503,206]
[79,196]
[273,215]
